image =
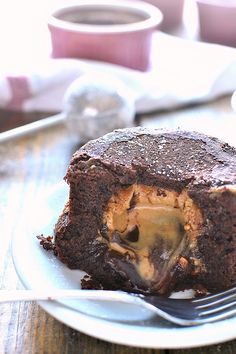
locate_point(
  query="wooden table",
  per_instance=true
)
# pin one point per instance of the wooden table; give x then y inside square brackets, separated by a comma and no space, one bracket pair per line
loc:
[33,163]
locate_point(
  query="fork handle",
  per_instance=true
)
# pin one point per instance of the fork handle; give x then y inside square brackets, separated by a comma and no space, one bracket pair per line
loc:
[55,294]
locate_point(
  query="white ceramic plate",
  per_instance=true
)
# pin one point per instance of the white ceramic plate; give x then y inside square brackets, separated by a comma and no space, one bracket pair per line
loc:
[116,323]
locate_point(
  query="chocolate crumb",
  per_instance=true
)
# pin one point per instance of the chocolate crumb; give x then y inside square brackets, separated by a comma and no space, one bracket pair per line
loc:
[200,290]
[88,283]
[47,243]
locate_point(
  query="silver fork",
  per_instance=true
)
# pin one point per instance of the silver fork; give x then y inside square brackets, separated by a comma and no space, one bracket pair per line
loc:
[184,312]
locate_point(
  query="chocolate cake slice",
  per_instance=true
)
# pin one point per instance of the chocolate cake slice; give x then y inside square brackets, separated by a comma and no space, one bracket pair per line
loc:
[151,211]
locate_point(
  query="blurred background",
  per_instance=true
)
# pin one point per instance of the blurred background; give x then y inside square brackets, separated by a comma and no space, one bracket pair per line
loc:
[182,73]
[25,37]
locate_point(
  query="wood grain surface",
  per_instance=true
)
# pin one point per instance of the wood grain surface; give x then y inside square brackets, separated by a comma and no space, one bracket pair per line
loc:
[29,166]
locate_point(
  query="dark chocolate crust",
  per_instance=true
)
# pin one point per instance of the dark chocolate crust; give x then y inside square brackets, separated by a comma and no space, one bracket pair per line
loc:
[173,160]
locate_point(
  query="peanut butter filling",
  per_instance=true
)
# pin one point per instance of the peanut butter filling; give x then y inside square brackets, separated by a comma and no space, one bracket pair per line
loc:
[141,220]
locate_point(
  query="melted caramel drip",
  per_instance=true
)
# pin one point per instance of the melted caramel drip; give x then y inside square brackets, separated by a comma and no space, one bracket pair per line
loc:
[145,218]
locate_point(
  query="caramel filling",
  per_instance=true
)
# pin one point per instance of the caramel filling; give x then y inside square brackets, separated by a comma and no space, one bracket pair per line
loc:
[142,220]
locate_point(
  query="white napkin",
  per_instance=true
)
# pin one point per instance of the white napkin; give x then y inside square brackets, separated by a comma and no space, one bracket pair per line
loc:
[183,72]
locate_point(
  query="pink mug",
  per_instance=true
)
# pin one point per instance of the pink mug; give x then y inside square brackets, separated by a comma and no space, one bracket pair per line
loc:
[118,31]
[172,11]
[217,20]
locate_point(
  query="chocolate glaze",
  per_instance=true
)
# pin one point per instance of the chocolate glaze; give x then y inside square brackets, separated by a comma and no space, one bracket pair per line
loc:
[173,160]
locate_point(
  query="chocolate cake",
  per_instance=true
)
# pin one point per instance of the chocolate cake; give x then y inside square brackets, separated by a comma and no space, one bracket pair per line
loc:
[151,211]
